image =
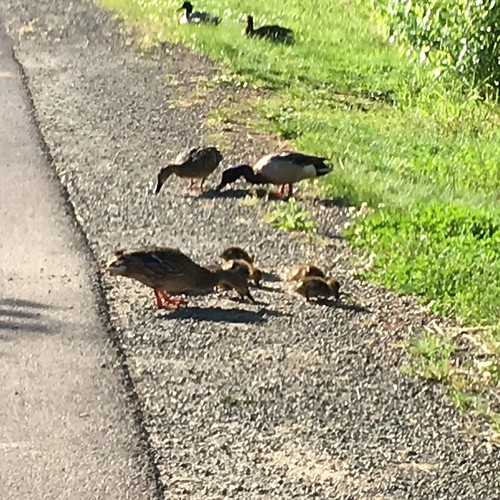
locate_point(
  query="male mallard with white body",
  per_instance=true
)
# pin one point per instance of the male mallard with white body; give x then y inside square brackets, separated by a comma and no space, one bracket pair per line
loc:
[281,169]
[190,17]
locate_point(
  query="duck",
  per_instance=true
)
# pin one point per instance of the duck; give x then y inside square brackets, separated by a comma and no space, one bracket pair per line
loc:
[249,269]
[274,33]
[305,271]
[236,253]
[238,257]
[317,287]
[169,271]
[284,168]
[190,17]
[197,163]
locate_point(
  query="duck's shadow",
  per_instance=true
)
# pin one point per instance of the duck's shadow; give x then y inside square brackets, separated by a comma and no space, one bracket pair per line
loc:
[343,305]
[221,315]
[232,194]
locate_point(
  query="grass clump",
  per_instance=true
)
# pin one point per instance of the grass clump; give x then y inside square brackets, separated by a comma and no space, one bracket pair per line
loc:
[448,255]
[290,217]
[473,380]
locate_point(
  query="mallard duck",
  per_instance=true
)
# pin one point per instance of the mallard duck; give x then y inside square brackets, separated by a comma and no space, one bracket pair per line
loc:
[168,270]
[275,33]
[236,253]
[197,163]
[248,268]
[190,17]
[283,169]
[305,271]
[316,287]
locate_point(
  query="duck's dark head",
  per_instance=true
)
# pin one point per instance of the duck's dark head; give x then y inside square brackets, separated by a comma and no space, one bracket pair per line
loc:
[232,174]
[188,7]
[163,175]
[249,28]
[334,286]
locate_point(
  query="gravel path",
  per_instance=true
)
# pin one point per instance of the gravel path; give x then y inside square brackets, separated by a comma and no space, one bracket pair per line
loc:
[274,400]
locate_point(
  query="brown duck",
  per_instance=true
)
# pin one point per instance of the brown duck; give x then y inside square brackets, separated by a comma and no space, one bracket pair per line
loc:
[169,271]
[236,253]
[316,287]
[250,270]
[305,271]
[197,163]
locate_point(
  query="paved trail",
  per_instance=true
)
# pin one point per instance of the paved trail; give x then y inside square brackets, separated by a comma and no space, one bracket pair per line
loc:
[66,428]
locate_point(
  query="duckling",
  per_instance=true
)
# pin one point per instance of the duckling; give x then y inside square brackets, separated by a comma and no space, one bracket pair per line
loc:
[190,17]
[274,33]
[197,163]
[236,253]
[305,271]
[317,287]
[249,269]
[168,270]
[283,169]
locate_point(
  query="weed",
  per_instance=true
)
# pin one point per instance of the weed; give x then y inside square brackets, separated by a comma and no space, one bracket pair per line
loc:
[291,218]
[467,362]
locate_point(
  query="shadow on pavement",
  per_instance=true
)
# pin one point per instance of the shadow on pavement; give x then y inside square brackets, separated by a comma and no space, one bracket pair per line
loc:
[24,316]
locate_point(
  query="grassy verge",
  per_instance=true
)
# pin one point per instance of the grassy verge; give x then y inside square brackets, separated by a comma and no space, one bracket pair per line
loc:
[425,157]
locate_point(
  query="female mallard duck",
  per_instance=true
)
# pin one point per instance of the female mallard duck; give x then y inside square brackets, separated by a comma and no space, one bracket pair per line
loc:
[236,253]
[278,168]
[305,271]
[275,33]
[190,17]
[197,163]
[168,270]
[317,287]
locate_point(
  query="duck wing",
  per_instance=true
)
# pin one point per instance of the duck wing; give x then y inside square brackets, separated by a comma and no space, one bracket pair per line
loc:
[288,167]
[204,17]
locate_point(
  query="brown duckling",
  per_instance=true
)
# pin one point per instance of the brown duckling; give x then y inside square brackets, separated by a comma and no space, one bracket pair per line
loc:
[236,253]
[274,32]
[316,287]
[168,270]
[249,269]
[305,271]
[197,163]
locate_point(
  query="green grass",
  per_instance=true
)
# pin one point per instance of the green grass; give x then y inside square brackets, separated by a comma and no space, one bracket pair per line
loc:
[424,156]
[472,380]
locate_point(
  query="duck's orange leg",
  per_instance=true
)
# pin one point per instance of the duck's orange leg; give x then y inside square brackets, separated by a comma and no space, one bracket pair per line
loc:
[281,192]
[202,182]
[170,303]
[191,184]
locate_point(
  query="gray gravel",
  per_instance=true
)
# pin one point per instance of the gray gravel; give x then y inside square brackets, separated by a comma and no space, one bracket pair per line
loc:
[274,400]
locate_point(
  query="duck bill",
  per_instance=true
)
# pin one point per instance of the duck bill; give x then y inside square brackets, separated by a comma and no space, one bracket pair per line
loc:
[158,187]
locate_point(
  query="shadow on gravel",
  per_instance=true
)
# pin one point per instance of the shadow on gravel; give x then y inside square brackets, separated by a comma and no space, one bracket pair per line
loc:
[220,315]
[24,316]
[343,305]
[332,202]
[232,193]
